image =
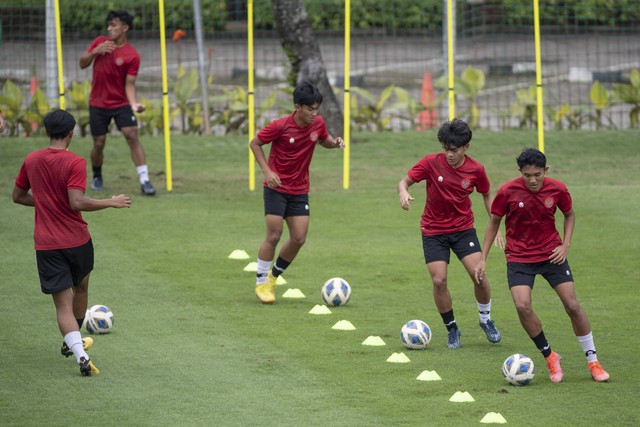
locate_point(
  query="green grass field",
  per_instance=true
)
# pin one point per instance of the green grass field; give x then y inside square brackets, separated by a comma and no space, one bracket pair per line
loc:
[192,346]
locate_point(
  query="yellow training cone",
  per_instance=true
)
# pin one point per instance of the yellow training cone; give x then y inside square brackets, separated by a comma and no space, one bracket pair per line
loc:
[280,281]
[252,266]
[239,254]
[459,396]
[398,358]
[344,325]
[293,293]
[373,340]
[429,376]
[320,309]
[493,418]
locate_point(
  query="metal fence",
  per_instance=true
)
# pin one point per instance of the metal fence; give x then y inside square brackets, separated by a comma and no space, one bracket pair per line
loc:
[400,44]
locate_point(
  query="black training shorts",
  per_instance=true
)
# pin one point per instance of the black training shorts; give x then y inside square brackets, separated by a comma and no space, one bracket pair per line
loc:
[285,205]
[520,273]
[439,247]
[99,119]
[61,269]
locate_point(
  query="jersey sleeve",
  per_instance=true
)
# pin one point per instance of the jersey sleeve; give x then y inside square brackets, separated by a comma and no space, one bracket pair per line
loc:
[419,171]
[565,204]
[482,181]
[270,132]
[499,205]
[78,175]
[94,43]
[22,180]
[134,65]
[323,133]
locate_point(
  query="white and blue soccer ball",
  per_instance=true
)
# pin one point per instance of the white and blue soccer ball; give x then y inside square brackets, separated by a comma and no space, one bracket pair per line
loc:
[99,319]
[415,334]
[518,369]
[336,291]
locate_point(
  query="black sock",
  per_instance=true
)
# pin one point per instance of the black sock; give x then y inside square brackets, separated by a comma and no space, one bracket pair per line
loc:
[97,171]
[541,342]
[449,320]
[80,322]
[279,267]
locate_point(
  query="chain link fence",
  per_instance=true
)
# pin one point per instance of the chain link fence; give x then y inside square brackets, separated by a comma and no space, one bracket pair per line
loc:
[589,52]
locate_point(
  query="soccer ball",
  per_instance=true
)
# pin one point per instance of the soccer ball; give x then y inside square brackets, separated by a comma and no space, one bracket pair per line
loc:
[518,369]
[415,334]
[99,319]
[336,291]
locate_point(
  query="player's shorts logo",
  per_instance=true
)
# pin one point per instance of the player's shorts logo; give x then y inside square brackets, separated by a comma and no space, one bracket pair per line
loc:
[314,136]
[548,202]
[119,61]
[466,183]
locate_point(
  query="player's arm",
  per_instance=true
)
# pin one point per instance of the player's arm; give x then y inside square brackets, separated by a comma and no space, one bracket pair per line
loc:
[332,142]
[272,179]
[79,202]
[403,191]
[87,58]
[130,91]
[493,227]
[22,196]
[487,198]
[559,254]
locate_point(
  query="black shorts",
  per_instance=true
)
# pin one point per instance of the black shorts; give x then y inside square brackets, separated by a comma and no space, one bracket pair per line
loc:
[439,247]
[285,205]
[99,119]
[520,273]
[61,269]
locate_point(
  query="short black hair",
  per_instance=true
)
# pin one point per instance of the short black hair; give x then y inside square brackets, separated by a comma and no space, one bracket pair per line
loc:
[59,123]
[306,93]
[531,157]
[454,134]
[122,15]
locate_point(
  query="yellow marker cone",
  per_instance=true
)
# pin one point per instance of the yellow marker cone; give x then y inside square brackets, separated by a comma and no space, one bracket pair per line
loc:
[280,280]
[293,293]
[374,341]
[459,396]
[239,254]
[344,325]
[320,309]
[252,266]
[493,418]
[429,376]
[398,358]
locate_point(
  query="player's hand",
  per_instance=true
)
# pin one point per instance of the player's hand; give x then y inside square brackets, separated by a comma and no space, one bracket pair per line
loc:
[121,201]
[272,179]
[338,143]
[138,108]
[479,273]
[499,241]
[405,198]
[559,254]
[104,48]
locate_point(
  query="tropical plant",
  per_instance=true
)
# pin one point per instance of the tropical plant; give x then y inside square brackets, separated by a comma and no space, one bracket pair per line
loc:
[524,109]
[468,85]
[601,100]
[630,94]
[231,109]
[14,115]
[78,97]
[185,85]
[371,113]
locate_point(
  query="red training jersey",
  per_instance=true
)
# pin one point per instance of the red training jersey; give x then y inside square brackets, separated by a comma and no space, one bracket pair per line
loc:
[110,73]
[49,173]
[292,148]
[530,218]
[448,206]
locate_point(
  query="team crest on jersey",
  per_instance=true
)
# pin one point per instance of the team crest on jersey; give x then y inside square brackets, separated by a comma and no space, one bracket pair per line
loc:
[119,61]
[314,136]
[466,183]
[548,202]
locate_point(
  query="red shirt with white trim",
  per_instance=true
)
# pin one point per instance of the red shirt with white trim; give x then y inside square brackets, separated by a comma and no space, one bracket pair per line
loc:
[530,218]
[50,173]
[448,207]
[291,151]
[110,73]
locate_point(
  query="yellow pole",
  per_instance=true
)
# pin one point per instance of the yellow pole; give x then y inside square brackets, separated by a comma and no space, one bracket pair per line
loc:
[347,94]
[59,51]
[250,98]
[450,60]
[165,97]
[536,26]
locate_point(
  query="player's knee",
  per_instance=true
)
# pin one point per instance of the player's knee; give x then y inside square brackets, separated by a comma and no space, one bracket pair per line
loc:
[273,238]
[298,240]
[573,309]
[439,284]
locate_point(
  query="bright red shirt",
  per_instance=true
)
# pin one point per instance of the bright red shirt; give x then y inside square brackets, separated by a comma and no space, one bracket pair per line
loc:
[448,207]
[530,218]
[49,173]
[110,73]
[292,148]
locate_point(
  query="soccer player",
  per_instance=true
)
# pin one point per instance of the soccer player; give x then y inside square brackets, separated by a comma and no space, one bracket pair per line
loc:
[113,96]
[293,140]
[53,180]
[534,246]
[447,221]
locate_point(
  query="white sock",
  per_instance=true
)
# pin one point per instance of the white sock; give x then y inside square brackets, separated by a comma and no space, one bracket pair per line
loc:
[74,342]
[262,272]
[589,348]
[143,173]
[485,311]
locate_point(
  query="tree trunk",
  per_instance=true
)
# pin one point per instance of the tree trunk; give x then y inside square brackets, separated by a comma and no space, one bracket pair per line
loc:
[303,51]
